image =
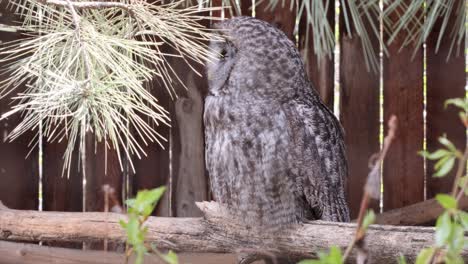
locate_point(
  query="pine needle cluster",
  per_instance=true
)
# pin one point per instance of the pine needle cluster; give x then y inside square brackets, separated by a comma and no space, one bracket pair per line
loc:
[85,66]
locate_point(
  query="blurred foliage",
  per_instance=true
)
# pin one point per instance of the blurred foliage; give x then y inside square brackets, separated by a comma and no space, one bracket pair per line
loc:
[452,224]
[139,209]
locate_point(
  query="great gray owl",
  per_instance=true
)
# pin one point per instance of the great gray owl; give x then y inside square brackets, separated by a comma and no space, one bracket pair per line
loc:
[274,152]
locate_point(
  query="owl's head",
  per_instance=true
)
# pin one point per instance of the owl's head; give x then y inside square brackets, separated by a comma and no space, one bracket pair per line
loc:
[253,58]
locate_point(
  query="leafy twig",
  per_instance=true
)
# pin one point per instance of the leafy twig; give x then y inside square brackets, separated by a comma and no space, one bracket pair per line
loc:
[461,169]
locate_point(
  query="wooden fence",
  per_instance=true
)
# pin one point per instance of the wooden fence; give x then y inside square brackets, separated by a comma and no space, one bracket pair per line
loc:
[406,177]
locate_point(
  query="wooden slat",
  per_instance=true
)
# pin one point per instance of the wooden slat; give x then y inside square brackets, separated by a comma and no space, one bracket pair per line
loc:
[359,114]
[102,169]
[60,193]
[19,175]
[403,173]
[98,175]
[319,69]
[153,170]
[192,182]
[445,79]
[246,7]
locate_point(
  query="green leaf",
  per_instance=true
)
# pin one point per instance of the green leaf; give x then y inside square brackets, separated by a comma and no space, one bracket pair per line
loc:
[140,251]
[401,259]
[463,216]
[453,259]
[425,256]
[445,167]
[135,236]
[447,143]
[122,223]
[368,219]
[443,229]
[441,162]
[435,155]
[458,102]
[335,256]
[457,239]
[145,201]
[310,261]
[130,202]
[171,257]
[463,116]
[447,201]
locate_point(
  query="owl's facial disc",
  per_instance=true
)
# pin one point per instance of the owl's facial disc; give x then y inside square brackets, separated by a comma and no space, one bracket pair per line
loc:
[220,65]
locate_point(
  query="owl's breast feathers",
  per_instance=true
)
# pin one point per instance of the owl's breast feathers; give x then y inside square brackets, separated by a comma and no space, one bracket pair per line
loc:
[275,162]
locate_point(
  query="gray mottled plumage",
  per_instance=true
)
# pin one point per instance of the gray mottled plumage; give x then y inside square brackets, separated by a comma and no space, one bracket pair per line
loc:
[275,154]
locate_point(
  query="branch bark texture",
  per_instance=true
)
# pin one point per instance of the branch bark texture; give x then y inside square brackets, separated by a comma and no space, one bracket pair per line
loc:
[216,232]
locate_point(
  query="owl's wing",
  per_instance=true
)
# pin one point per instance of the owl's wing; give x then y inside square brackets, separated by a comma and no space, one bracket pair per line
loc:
[322,164]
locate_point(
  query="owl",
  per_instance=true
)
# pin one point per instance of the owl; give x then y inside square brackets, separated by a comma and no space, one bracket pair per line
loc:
[274,152]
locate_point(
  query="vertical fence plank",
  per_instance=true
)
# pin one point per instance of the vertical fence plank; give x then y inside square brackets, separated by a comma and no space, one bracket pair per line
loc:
[192,183]
[403,173]
[101,169]
[445,79]
[359,99]
[19,175]
[319,69]
[61,193]
[246,7]
[153,170]
[191,177]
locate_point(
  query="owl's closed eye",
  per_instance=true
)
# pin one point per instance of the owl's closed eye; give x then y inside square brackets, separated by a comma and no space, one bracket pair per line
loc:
[219,68]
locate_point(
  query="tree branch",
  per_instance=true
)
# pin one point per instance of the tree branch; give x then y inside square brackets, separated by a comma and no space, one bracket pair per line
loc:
[216,232]
[21,253]
[416,214]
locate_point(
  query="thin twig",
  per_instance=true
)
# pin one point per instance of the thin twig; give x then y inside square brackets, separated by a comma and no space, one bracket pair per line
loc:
[87,62]
[460,170]
[458,177]
[86,5]
[373,183]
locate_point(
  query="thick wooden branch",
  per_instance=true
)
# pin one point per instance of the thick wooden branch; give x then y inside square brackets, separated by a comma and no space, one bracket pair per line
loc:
[216,233]
[416,214]
[21,253]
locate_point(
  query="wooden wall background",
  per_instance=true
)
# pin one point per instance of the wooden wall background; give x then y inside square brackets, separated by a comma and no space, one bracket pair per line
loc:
[406,178]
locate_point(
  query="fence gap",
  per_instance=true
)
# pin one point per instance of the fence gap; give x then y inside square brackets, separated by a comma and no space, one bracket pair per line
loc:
[382,122]
[40,164]
[336,61]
